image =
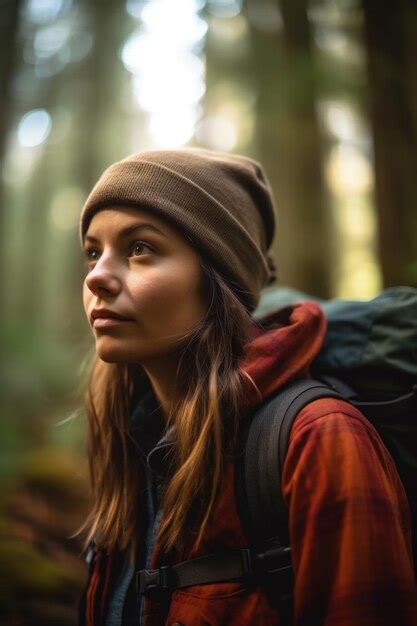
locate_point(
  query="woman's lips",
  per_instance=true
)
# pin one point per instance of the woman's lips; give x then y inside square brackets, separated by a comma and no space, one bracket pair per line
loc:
[106,322]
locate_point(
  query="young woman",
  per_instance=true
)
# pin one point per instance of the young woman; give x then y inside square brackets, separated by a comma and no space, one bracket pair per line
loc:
[176,245]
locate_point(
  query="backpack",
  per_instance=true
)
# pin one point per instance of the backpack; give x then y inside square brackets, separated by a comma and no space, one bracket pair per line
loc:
[369,358]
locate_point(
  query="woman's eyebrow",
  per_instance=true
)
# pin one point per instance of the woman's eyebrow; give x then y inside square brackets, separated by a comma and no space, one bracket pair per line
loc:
[125,232]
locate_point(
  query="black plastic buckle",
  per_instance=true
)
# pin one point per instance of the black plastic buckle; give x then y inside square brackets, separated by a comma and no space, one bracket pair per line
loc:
[153,580]
[274,567]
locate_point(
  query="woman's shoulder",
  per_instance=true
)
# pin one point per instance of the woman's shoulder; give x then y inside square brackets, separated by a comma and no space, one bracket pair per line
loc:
[332,442]
[324,414]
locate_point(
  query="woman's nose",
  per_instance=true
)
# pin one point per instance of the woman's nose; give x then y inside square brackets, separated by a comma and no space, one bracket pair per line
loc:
[103,278]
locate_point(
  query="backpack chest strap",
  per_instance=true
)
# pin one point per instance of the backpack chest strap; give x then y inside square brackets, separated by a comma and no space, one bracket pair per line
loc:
[229,565]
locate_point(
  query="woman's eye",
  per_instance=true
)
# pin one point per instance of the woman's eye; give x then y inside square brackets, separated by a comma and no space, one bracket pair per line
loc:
[138,245]
[89,252]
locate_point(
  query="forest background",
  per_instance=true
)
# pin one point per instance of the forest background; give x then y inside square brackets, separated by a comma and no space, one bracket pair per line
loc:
[322,93]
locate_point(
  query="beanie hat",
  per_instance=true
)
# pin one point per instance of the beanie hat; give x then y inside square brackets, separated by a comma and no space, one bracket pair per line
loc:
[222,202]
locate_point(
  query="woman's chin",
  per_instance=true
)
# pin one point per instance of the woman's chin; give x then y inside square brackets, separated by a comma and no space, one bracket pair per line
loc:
[111,353]
[115,352]
[111,357]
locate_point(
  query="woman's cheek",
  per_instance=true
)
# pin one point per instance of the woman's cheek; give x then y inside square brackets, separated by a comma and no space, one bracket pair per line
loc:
[146,291]
[159,288]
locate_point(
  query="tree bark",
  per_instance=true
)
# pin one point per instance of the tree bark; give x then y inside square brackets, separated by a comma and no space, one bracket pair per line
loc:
[9,24]
[391,34]
[289,142]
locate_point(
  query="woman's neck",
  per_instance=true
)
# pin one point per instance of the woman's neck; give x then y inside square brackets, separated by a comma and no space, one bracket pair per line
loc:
[162,374]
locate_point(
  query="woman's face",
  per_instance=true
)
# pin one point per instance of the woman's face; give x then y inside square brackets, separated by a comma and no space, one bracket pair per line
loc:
[152,278]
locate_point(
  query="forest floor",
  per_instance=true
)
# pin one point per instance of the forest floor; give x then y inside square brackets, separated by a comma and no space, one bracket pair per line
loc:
[42,569]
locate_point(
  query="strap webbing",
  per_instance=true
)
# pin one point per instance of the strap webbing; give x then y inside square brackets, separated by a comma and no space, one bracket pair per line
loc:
[213,568]
[229,565]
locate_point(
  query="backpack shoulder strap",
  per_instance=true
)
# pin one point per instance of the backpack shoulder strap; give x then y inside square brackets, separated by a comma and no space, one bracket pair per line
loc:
[262,450]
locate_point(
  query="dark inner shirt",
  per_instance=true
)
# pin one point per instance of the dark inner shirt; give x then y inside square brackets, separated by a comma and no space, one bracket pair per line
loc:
[148,428]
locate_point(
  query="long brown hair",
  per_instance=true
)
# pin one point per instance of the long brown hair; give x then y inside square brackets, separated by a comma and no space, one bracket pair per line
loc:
[208,403]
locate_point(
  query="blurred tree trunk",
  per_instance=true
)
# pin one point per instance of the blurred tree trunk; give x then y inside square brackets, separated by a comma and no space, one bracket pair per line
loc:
[289,144]
[9,24]
[391,39]
[34,269]
[100,107]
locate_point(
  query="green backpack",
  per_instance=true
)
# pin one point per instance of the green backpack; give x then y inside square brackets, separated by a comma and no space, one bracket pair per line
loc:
[369,357]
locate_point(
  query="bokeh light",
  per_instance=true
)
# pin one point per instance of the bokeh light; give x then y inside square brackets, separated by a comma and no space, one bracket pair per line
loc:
[44,11]
[168,71]
[34,128]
